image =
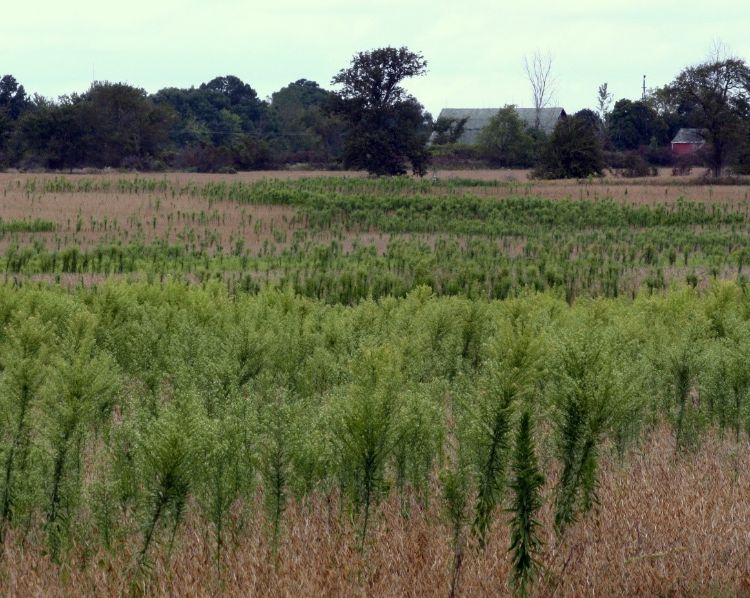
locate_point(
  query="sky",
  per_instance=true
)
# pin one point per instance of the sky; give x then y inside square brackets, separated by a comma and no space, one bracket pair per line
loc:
[474,48]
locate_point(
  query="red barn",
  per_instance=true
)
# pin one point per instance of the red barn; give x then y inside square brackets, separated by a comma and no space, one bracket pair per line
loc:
[687,141]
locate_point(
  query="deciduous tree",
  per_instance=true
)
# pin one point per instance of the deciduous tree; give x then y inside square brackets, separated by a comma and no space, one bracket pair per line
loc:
[716,97]
[387,127]
[572,151]
[538,69]
[505,140]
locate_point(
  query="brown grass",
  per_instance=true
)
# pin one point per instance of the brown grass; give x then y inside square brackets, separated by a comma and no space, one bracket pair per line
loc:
[663,188]
[193,222]
[666,525]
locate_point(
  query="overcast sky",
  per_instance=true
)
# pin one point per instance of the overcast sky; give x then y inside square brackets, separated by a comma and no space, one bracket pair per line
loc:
[474,48]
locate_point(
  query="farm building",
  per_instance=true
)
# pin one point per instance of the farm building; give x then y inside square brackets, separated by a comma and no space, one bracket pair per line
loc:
[479,118]
[687,141]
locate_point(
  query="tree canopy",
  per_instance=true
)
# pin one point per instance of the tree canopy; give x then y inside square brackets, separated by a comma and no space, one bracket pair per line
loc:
[368,121]
[386,127]
[505,141]
[715,96]
[304,129]
[573,151]
[634,124]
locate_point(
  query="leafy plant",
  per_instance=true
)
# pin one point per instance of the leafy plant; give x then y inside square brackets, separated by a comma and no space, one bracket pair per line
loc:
[526,485]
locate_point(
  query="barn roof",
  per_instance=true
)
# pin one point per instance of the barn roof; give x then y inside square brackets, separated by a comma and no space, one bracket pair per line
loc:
[479,118]
[688,136]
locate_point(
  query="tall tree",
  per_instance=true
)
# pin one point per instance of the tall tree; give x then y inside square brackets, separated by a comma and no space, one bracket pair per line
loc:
[633,124]
[241,99]
[538,69]
[572,151]
[603,102]
[386,127]
[448,130]
[716,97]
[219,112]
[13,98]
[13,103]
[122,125]
[51,134]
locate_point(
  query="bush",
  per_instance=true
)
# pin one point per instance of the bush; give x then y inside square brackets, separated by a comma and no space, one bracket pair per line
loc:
[456,155]
[657,155]
[203,158]
[634,165]
[683,165]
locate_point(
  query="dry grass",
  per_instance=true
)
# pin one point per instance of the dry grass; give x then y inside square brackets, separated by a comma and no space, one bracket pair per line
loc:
[90,219]
[665,526]
[145,218]
[663,188]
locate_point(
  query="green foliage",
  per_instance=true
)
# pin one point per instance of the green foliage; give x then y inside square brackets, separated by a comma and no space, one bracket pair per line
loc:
[224,468]
[386,127]
[448,130]
[23,377]
[455,494]
[278,436]
[80,394]
[128,406]
[572,151]
[634,124]
[587,390]
[526,485]
[366,430]
[505,141]
[168,460]
[509,379]
[442,234]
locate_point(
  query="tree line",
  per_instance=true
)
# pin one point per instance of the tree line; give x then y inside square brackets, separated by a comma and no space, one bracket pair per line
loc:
[219,125]
[370,123]
[633,136]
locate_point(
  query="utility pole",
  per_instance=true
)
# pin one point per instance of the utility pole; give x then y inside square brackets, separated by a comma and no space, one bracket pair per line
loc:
[643,94]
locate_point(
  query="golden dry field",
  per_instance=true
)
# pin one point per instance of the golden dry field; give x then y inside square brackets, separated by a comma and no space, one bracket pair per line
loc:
[664,526]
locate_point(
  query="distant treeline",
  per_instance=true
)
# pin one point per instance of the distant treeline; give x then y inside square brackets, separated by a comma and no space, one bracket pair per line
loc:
[218,126]
[223,126]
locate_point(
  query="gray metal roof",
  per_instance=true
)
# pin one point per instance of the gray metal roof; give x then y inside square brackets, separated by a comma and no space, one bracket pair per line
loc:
[688,136]
[479,118]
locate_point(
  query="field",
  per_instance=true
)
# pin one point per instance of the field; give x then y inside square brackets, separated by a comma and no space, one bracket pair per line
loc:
[346,239]
[313,384]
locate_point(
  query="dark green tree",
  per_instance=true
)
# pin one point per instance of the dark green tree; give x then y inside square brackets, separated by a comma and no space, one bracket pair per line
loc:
[13,98]
[13,103]
[50,135]
[122,126]
[633,124]
[232,94]
[716,98]
[590,118]
[304,130]
[448,130]
[572,151]
[505,140]
[386,127]
[217,112]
